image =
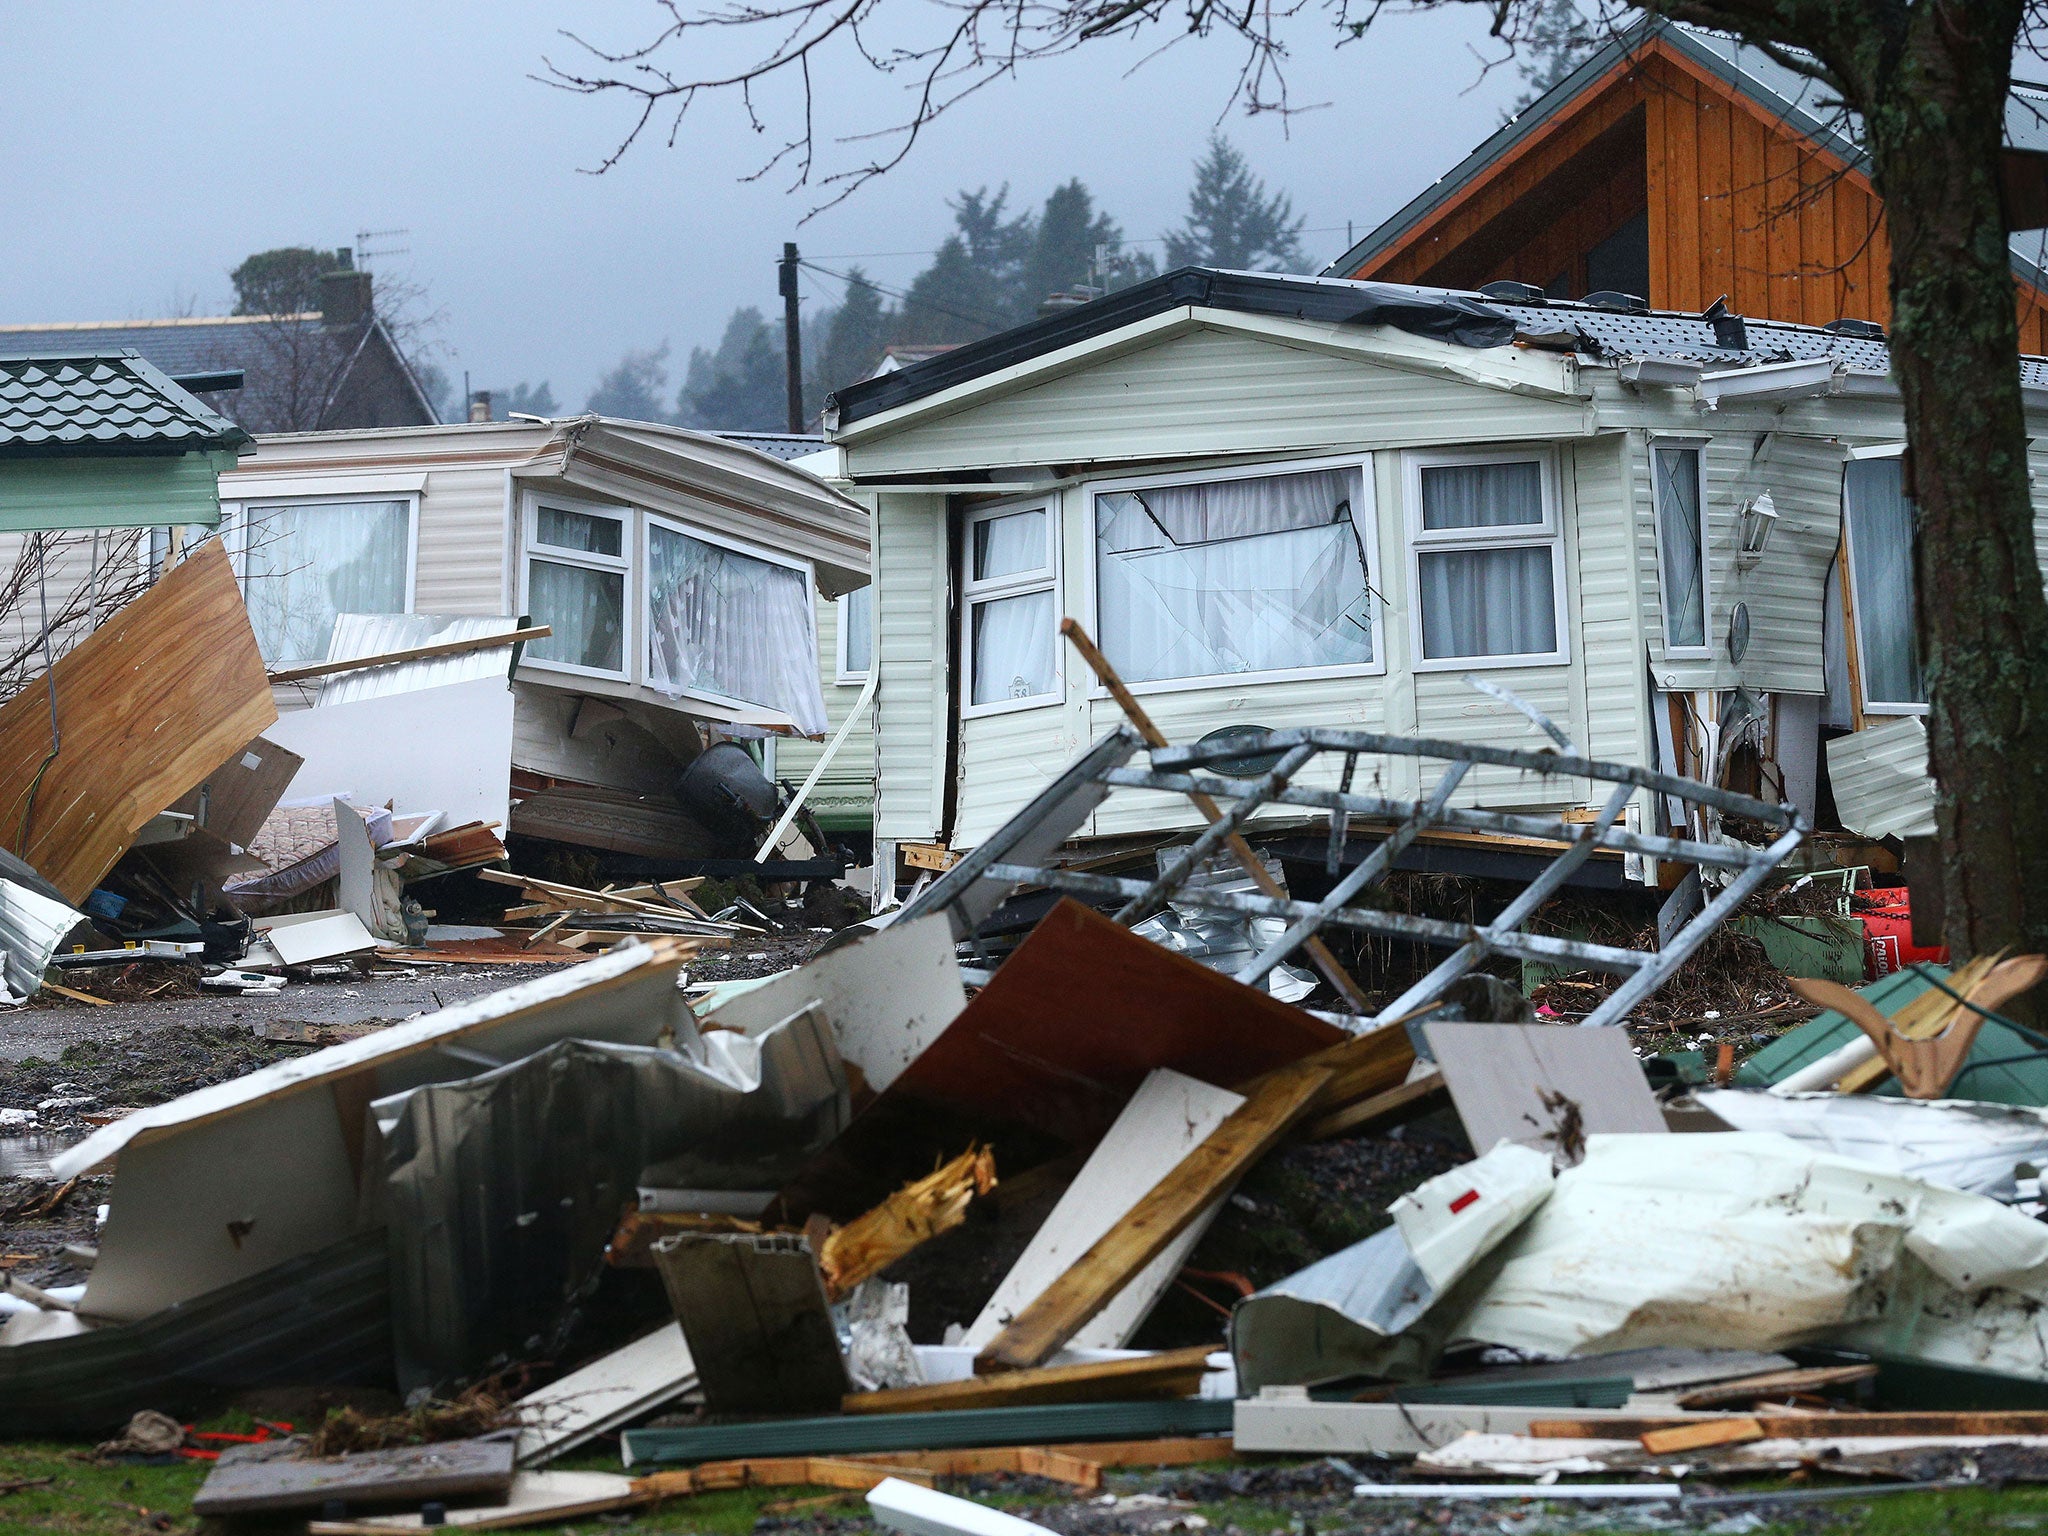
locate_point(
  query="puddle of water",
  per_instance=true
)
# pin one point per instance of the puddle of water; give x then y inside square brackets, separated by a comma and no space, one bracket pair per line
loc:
[28,1157]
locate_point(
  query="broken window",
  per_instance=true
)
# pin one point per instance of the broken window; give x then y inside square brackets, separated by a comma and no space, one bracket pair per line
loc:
[304,563]
[576,584]
[856,634]
[1220,577]
[1681,546]
[1011,607]
[1488,557]
[733,625]
[1879,520]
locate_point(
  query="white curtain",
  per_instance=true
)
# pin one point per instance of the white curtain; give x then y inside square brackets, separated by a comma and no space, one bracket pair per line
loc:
[1503,495]
[1678,545]
[1881,553]
[727,624]
[586,609]
[307,564]
[1010,544]
[857,614]
[578,530]
[1013,647]
[1254,575]
[1488,602]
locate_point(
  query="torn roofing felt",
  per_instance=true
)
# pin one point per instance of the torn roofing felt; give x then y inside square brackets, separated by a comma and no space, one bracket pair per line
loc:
[1432,312]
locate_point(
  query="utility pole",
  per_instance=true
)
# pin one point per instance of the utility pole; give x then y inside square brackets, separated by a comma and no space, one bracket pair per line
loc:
[792,342]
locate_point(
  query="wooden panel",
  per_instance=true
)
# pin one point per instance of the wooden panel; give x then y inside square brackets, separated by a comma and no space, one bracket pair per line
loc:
[1711,152]
[1681,190]
[152,702]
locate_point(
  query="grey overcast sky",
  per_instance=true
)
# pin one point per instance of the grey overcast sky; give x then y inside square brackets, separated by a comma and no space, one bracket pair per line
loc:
[152,147]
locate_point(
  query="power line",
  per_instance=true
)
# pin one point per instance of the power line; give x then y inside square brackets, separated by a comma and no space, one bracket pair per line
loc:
[906,298]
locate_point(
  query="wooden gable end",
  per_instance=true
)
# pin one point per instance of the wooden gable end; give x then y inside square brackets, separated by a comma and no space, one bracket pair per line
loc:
[1737,201]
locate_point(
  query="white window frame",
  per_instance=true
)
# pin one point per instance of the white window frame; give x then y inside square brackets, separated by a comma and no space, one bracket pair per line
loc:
[845,676]
[1364,522]
[1045,578]
[753,552]
[238,520]
[1549,533]
[624,563]
[1870,706]
[1704,651]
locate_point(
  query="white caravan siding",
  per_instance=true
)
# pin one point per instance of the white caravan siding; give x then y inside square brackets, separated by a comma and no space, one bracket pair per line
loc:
[1212,392]
[910,647]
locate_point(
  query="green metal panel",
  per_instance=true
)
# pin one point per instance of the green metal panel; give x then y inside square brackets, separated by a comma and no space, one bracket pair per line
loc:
[2019,1082]
[116,491]
[1052,1424]
[1824,947]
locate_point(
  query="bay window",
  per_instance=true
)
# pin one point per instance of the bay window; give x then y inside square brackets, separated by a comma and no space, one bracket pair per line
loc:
[735,626]
[1487,558]
[1681,547]
[303,563]
[1879,522]
[576,566]
[1234,575]
[1012,612]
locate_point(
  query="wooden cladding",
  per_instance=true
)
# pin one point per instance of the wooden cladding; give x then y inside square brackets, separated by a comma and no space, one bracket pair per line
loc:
[1739,203]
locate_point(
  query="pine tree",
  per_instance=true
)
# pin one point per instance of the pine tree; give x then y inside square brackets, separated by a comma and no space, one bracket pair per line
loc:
[285,281]
[854,338]
[1231,221]
[633,389]
[1065,246]
[974,287]
[739,387]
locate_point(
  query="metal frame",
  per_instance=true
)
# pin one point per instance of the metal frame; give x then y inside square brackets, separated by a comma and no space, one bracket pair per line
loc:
[1020,852]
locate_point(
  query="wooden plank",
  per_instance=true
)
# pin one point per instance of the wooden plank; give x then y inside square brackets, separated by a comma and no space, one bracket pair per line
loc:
[1178,1451]
[1750,254]
[1206,1174]
[247,1481]
[928,855]
[1392,1107]
[147,705]
[858,1475]
[416,653]
[1696,1437]
[1798,1425]
[233,800]
[1170,1373]
[1750,1389]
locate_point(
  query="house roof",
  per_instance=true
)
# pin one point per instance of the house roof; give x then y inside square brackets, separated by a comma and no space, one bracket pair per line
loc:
[294,364]
[1801,103]
[1455,317]
[112,402]
[777,445]
[1463,319]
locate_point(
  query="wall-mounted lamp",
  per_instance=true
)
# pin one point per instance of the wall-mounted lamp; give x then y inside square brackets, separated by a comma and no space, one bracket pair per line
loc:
[1759,521]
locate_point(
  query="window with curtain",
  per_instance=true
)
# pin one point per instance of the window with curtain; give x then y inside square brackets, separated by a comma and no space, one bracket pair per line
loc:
[1880,525]
[1011,617]
[1217,577]
[731,625]
[576,584]
[302,565]
[1681,545]
[1487,559]
[856,634]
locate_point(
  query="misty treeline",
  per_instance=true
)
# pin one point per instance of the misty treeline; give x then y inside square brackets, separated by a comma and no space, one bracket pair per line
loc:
[997,268]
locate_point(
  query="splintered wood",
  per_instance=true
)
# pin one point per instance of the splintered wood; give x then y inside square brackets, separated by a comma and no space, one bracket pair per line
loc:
[147,706]
[916,1213]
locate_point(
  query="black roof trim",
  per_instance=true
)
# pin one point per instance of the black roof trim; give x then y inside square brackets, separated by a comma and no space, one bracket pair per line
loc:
[1453,317]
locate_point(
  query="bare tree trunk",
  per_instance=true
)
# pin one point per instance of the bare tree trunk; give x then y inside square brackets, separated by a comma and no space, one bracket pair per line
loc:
[1934,113]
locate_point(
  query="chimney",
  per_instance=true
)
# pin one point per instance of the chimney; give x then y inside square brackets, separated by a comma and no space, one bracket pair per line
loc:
[345,296]
[480,405]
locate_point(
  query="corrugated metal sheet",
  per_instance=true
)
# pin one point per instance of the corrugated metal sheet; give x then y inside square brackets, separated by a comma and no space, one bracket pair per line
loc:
[1882,787]
[1214,392]
[323,1317]
[32,925]
[910,646]
[378,634]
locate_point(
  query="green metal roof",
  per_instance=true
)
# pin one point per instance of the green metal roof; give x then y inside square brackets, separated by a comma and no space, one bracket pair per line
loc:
[95,404]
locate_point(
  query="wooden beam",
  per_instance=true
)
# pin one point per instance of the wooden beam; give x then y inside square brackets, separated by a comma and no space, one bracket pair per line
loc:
[1750,1389]
[1809,1425]
[1171,1373]
[1396,1105]
[416,653]
[1697,1437]
[1205,1175]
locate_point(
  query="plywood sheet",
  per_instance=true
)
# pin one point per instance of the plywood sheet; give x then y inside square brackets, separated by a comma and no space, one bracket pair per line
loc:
[152,701]
[234,800]
[1168,1117]
[245,1482]
[1547,1086]
[1076,1018]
